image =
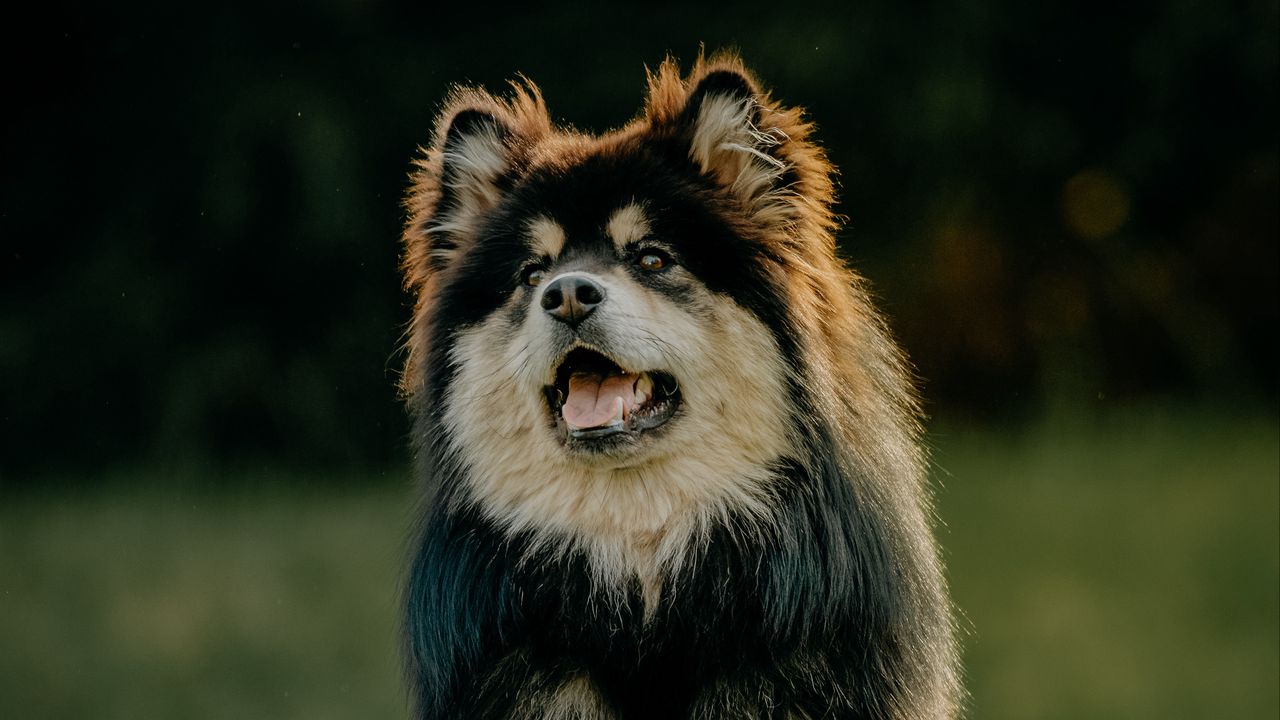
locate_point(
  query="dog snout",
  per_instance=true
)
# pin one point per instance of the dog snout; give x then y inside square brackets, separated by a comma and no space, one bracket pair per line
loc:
[571,298]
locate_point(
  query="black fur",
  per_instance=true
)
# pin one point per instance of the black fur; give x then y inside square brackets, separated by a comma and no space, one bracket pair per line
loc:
[805,620]
[739,614]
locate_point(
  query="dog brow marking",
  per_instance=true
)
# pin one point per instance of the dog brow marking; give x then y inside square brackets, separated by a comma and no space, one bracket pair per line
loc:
[546,236]
[628,224]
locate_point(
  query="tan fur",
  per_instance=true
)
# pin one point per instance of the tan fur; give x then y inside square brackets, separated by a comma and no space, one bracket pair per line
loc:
[634,517]
[627,225]
[546,237]
[577,699]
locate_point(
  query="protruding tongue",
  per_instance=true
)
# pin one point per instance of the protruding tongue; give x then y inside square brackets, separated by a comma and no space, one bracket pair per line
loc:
[597,401]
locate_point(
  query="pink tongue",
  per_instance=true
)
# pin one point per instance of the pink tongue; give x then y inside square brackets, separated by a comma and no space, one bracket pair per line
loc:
[593,399]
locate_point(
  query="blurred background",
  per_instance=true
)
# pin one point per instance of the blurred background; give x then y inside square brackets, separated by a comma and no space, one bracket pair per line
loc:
[1069,211]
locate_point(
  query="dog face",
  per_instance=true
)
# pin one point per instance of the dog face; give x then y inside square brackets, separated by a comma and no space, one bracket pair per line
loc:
[603,347]
[607,315]
[603,294]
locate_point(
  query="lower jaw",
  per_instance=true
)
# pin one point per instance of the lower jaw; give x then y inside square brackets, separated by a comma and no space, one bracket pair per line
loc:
[611,440]
[612,444]
[592,434]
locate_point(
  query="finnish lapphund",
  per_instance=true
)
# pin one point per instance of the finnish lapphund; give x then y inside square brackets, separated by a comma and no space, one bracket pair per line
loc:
[669,453]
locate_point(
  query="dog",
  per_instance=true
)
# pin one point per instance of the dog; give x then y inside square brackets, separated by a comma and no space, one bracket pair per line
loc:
[669,451]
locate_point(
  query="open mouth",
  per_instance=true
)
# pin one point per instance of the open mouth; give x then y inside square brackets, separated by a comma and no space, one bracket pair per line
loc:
[593,399]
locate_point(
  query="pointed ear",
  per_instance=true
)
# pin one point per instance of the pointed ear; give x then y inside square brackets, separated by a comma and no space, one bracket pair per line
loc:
[721,122]
[463,175]
[476,150]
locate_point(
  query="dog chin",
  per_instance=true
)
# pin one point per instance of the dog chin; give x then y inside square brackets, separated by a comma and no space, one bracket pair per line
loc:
[599,406]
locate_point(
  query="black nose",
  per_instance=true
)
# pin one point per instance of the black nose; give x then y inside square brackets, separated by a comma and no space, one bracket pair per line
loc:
[571,298]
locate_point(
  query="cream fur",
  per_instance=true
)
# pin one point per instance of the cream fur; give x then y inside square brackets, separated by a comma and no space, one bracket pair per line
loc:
[628,224]
[577,699]
[727,145]
[635,516]
[546,237]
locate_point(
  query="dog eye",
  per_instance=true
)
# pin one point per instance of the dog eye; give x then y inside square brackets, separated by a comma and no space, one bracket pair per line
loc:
[533,276]
[652,260]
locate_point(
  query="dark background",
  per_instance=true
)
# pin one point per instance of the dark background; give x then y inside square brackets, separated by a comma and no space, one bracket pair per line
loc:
[1057,203]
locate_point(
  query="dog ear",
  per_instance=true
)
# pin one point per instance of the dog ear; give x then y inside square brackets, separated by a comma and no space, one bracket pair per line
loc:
[722,123]
[476,148]
[479,150]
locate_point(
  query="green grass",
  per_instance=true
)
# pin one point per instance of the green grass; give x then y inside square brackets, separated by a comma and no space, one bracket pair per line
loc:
[242,604]
[1120,569]
[1128,568]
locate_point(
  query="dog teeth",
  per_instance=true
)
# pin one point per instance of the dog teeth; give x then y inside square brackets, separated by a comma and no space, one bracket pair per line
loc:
[619,412]
[644,388]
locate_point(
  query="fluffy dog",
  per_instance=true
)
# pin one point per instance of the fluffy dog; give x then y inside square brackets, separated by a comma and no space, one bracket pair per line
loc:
[669,451]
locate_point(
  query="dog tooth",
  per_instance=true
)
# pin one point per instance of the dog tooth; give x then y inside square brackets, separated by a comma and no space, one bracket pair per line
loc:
[644,388]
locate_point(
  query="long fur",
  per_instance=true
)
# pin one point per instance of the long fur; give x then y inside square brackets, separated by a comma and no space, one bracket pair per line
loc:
[771,555]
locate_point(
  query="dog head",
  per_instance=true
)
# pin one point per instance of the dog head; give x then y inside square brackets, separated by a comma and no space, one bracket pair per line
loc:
[596,312]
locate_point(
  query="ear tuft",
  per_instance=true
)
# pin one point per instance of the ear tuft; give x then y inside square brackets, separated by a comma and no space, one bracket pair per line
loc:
[719,83]
[475,152]
[475,149]
[722,124]
[471,121]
